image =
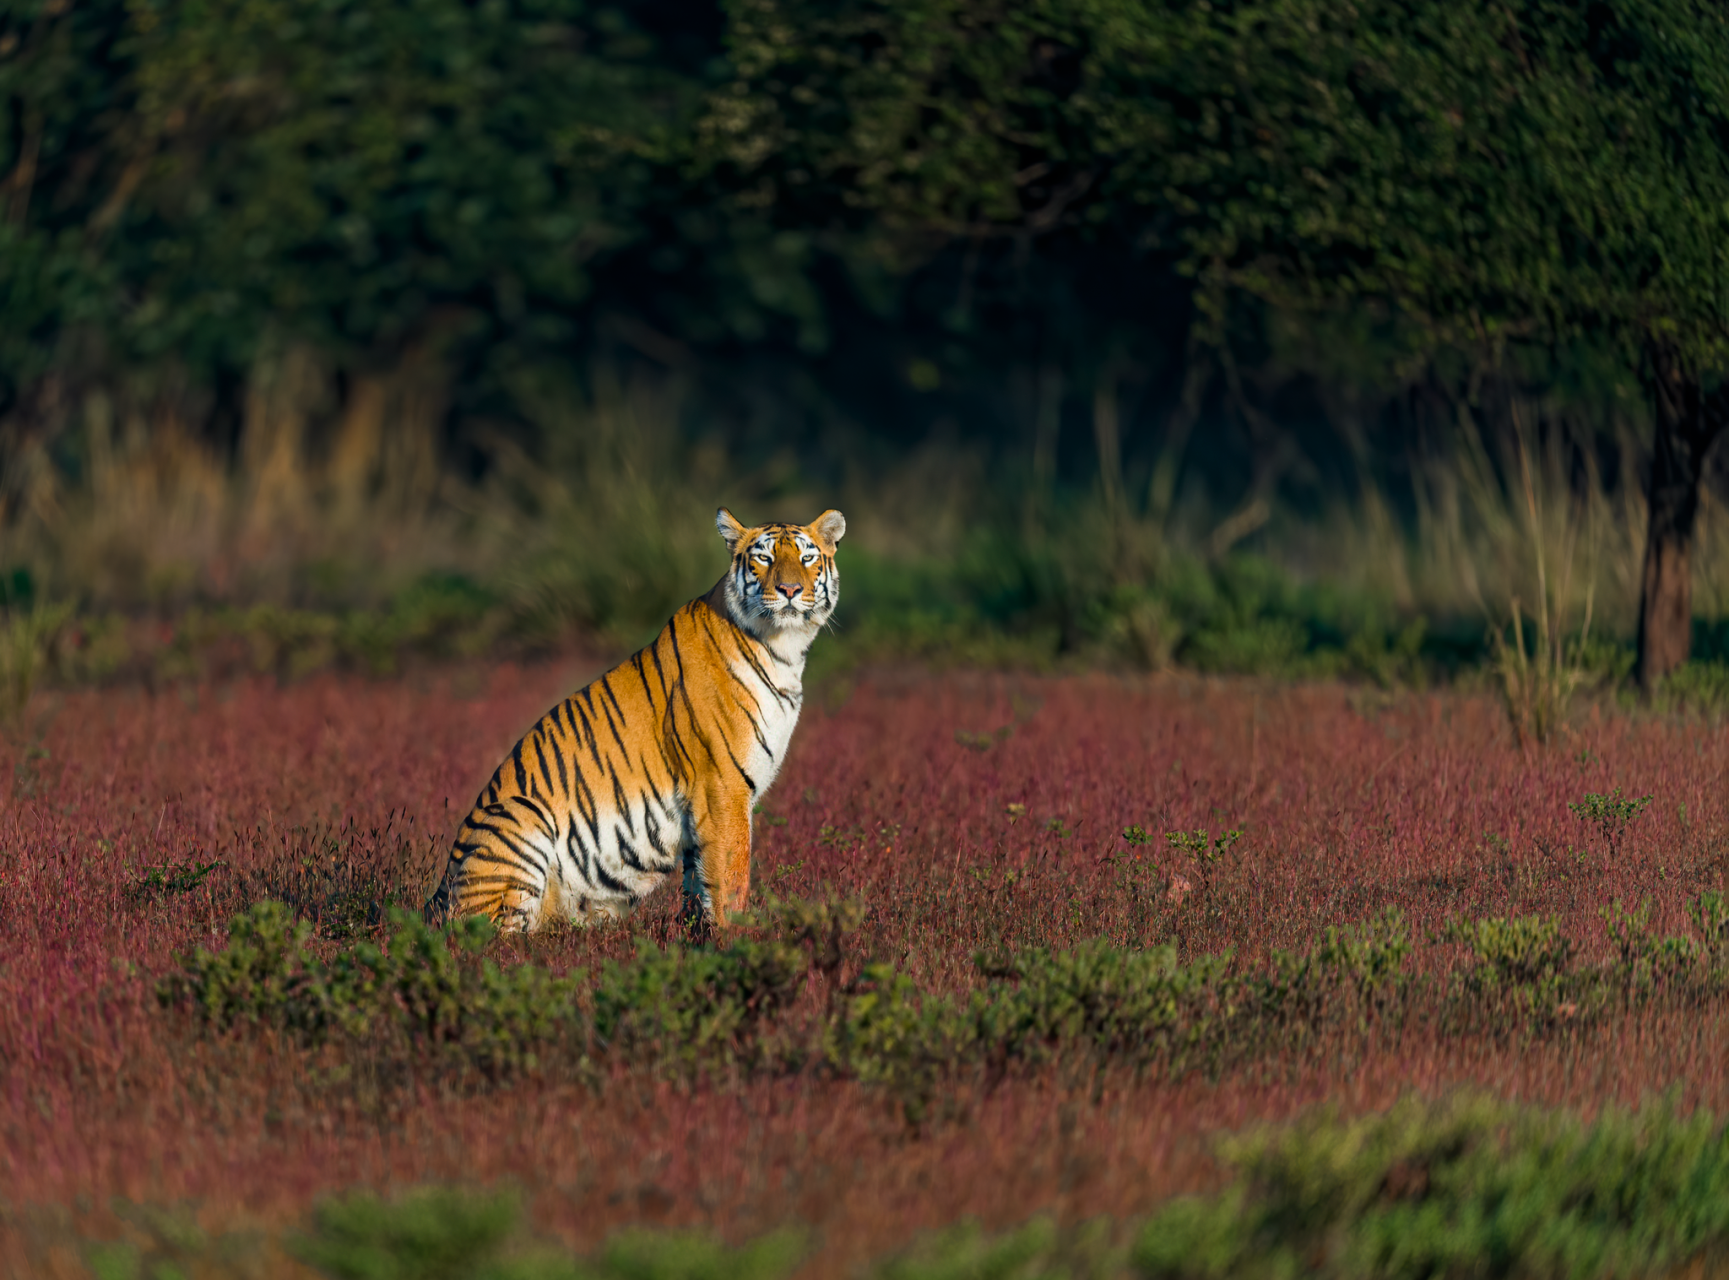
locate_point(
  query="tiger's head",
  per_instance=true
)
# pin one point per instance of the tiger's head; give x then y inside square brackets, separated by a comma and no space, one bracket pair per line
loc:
[783,577]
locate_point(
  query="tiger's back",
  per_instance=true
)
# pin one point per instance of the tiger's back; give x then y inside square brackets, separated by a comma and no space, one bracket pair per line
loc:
[659,761]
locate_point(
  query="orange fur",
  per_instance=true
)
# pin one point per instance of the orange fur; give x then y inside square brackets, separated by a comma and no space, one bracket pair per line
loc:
[664,757]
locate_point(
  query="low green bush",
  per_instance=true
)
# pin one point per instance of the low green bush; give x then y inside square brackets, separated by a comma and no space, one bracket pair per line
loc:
[1461,1186]
[689,1012]
[450,1234]
[430,987]
[1468,1186]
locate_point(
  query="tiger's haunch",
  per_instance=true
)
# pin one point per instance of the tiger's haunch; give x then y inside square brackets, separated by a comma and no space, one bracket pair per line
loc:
[662,759]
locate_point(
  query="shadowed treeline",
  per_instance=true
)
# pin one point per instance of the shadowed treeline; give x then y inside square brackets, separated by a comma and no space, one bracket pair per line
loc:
[1077,310]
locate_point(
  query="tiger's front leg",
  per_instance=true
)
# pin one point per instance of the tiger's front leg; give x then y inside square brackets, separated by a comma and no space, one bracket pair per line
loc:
[717,879]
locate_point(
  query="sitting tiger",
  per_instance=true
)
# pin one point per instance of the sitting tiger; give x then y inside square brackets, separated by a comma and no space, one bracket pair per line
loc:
[662,758]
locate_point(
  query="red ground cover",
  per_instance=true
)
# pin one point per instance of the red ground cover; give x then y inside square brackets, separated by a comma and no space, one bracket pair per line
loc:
[971,811]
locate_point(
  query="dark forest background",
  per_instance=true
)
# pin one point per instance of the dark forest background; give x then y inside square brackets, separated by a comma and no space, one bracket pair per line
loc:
[1298,335]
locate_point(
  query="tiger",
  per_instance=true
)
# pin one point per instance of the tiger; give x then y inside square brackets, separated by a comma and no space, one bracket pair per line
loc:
[662,759]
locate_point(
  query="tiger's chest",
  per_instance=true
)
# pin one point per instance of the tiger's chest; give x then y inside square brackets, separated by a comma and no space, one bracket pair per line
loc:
[771,723]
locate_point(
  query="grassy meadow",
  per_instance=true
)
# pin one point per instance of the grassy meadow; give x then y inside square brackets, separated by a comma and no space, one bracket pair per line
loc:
[1151,892]
[984,987]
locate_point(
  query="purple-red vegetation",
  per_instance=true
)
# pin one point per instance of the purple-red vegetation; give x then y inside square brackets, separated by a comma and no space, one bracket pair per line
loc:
[971,812]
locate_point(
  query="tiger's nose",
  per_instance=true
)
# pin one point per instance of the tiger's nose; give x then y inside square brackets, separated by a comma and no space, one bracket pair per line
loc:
[791,590]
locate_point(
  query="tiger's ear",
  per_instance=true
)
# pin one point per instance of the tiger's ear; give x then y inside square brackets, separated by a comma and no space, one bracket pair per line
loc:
[829,528]
[730,529]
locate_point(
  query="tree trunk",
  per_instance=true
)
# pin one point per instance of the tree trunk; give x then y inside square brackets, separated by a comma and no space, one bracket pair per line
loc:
[1686,424]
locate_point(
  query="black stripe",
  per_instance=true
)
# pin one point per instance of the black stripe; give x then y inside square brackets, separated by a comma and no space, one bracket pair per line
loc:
[622,804]
[508,882]
[521,851]
[588,732]
[563,772]
[755,727]
[536,875]
[659,670]
[541,814]
[583,797]
[609,882]
[747,648]
[606,711]
[748,780]
[642,674]
[540,757]
[583,856]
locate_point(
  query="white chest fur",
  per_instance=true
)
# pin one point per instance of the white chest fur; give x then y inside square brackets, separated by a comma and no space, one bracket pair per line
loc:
[779,700]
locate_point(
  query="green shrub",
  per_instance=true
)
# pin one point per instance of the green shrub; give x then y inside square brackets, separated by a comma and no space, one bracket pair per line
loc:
[1611,815]
[1463,1187]
[1710,913]
[1645,959]
[685,1013]
[689,1255]
[1039,1250]
[1134,1005]
[890,1035]
[1512,953]
[424,985]
[266,974]
[689,1009]
[431,1234]
[1371,955]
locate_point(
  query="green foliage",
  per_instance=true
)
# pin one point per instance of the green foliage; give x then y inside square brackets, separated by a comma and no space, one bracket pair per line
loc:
[422,985]
[1535,685]
[1513,953]
[1304,150]
[1198,845]
[440,615]
[166,1243]
[1039,1250]
[1611,814]
[1371,955]
[164,881]
[1522,973]
[891,1035]
[823,925]
[670,1255]
[724,1013]
[387,163]
[1355,974]
[558,585]
[1466,1186]
[1710,914]
[1700,685]
[266,974]
[433,1234]
[685,1010]
[29,635]
[1137,1006]
[1645,959]
[1102,1001]
[441,1233]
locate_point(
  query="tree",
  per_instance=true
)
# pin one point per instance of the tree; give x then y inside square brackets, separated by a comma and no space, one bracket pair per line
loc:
[1499,172]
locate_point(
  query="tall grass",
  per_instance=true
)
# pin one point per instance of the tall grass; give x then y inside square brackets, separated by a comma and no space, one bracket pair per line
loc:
[129,506]
[1526,514]
[601,526]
